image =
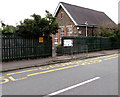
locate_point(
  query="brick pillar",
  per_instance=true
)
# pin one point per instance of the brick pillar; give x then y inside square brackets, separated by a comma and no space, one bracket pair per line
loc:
[65,31]
[72,31]
[58,36]
[53,38]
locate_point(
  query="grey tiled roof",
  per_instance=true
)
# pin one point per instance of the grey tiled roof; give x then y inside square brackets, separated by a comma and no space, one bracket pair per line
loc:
[93,17]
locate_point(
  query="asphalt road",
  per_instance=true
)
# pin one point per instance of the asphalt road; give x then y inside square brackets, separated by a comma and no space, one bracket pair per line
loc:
[94,76]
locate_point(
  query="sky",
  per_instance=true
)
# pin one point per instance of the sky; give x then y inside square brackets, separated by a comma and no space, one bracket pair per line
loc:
[119,11]
[14,11]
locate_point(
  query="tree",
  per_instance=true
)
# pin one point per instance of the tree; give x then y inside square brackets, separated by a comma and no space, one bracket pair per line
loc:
[53,25]
[9,29]
[38,26]
[0,29]
[25,28]
[106,31]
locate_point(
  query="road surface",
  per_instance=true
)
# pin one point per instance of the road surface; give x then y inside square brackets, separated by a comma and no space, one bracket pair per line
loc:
[93,76]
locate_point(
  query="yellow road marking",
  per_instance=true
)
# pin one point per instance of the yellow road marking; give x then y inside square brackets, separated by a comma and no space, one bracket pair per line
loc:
[96,61]
[110,58]
[52,70]
[13,79]
[48,67]
[4,80]
[62,68]
[102,57]
[21,71]
[59,65]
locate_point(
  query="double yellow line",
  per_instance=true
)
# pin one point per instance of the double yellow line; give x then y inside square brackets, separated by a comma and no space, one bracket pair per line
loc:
[52,68]
[85,63]
[63,64]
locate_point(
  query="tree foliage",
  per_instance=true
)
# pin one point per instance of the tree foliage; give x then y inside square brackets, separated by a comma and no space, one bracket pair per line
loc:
[38,26]
[0,29]
[9,29]
[106,31]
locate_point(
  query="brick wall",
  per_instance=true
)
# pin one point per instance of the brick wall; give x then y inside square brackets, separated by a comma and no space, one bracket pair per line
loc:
[65,19]
[67,24]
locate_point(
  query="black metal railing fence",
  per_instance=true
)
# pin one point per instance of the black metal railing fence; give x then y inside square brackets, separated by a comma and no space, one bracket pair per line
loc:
[16,47]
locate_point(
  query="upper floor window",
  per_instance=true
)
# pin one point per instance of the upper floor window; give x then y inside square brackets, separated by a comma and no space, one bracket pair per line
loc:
[61,15]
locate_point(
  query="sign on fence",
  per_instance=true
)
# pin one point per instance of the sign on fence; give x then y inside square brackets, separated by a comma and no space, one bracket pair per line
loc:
[41,40]
[68,42]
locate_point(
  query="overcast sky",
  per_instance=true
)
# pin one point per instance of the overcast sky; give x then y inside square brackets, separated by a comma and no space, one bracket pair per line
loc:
[13,11]
[119,12]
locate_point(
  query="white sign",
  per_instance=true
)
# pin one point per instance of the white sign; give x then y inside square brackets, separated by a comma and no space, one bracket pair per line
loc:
[68,42]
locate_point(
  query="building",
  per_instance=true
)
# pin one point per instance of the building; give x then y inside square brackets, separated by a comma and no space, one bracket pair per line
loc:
[78,21]
[119,26]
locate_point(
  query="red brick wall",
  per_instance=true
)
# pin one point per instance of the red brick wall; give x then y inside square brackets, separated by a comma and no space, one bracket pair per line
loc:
[53,38]
[58,36]
[65,31]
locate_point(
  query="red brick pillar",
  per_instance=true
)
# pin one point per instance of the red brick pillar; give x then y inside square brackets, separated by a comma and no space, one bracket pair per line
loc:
[53,39]
[72,31]
[65,31]
[58,36]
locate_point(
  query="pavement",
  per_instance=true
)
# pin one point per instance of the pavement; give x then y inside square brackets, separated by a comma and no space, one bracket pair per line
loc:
[21,64]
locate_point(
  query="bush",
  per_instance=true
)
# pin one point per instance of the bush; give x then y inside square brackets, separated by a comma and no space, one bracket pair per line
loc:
[59,46]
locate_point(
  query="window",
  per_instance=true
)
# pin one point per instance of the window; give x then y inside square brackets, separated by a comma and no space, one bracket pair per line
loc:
[69,30]
[62,32]
[56,41]
[61,15]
